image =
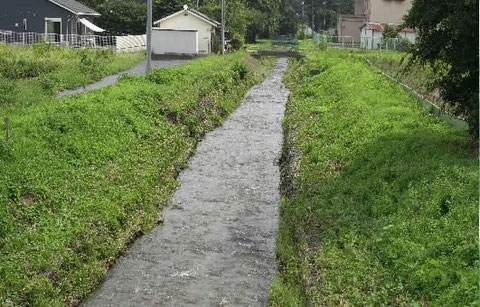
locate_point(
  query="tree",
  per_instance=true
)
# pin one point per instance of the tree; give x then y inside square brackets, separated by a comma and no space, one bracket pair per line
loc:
[288,22]
[120,17]
[448,41]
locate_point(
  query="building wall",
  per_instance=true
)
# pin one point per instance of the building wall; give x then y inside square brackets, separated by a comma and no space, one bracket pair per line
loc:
[349,25]
[169,41]
[13,12]
[388,11]
[360,7]
[185,21]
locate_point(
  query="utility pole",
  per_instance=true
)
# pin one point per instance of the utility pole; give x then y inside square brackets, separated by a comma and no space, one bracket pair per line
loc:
[223,26]
[324,16]
[149,37]
[303,18]
[313,18]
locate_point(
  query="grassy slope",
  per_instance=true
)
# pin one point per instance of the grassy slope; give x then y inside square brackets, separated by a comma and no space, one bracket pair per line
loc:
[381,205]
[83,175]
[31,75]
[395,65]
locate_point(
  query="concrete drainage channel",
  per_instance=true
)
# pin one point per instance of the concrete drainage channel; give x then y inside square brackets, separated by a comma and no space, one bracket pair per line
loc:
[217,247]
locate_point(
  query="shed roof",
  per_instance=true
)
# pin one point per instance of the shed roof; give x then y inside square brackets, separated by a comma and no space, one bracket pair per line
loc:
[195,13]
[75,7]
[374,26]
[410,30]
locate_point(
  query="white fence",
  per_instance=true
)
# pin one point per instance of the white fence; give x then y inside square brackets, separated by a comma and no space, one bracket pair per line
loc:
[369,43]
[380,43]
[128,43]
[131,43]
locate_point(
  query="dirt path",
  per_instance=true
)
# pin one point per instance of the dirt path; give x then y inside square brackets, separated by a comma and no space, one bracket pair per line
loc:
[217,245]
[137,70]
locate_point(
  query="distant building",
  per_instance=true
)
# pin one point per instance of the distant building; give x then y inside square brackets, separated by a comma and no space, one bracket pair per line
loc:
[187,31]
[47,16]
[371,35]
[372,11]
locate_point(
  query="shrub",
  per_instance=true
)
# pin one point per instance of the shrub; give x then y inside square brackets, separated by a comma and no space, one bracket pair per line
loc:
[241,70]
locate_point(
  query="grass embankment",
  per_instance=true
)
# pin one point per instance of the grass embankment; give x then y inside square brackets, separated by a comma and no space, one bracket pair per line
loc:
[81,176]
[31,75]
[381,199]
[417,77]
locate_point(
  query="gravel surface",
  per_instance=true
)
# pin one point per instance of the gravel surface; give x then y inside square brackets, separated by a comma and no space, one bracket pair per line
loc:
[217,246]
[137,70]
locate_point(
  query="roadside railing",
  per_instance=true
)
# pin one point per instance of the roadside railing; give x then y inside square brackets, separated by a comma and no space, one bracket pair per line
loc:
[128,43]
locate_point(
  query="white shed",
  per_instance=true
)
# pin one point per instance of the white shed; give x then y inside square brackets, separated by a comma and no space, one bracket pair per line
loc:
[371,35]
[409,34]
[187,19]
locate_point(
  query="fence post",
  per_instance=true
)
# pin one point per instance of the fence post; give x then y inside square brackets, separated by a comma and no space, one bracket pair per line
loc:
[7,126]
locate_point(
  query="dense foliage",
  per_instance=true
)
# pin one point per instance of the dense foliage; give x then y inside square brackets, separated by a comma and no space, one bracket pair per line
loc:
[245,19]
[381,200]
[82,175]
[448,41]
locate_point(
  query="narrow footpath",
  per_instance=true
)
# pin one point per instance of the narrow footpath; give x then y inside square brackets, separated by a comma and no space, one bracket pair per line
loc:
[137,70]
[217,246]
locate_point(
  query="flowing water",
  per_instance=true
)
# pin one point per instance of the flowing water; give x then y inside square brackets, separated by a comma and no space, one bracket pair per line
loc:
[217,246]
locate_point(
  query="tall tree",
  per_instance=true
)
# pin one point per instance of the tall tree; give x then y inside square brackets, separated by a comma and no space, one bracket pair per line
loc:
[448,41]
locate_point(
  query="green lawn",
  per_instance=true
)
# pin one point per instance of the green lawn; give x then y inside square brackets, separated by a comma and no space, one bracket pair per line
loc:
[35,74]
[82,176]
[380,201]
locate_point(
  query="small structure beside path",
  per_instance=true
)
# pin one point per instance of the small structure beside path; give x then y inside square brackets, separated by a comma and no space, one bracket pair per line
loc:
[186,32]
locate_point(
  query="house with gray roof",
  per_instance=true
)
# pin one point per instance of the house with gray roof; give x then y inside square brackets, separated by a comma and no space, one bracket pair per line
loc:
[48,16]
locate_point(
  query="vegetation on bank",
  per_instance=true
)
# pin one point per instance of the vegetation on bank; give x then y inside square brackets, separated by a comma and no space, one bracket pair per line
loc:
[380,201]
[419,78]
[31,75]
[81,176]
[451,51]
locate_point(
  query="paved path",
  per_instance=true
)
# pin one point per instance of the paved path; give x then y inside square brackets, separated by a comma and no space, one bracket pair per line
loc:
[137,70]
[217,247]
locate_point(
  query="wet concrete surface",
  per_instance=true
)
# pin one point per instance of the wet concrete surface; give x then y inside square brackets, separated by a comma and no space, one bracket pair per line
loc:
[137,70]
[217,246]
